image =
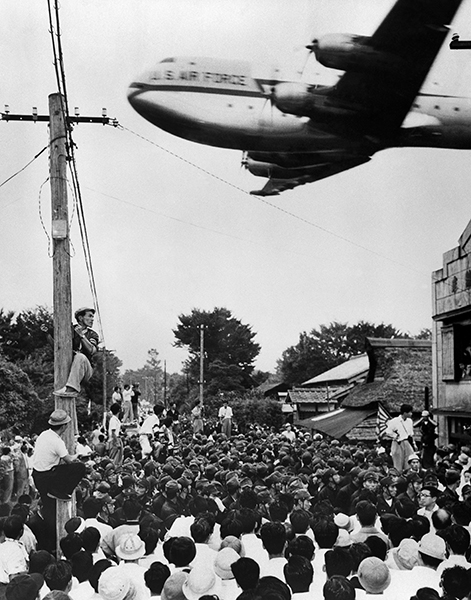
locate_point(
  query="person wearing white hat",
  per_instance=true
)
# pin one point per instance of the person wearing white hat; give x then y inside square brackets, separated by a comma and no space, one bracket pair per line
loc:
[201,581]
[117,584]
[432,551]
[132,548]
[85,345]
[55,472]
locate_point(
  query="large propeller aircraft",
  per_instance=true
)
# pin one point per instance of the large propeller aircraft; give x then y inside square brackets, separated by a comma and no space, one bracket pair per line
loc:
[293,132]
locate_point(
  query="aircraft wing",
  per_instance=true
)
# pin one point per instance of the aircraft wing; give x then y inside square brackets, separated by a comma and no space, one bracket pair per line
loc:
[407,42]
[294,177]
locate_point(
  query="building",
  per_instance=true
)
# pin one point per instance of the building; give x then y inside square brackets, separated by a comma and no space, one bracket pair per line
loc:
[398,371]
[451,296]
[324,392]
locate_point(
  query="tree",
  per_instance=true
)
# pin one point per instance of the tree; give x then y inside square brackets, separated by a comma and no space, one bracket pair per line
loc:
[24,335]
[26,340]
[229,349]
[19,403]
[425,334]
[94,388]
[149,378]
[178,389]
[328,347]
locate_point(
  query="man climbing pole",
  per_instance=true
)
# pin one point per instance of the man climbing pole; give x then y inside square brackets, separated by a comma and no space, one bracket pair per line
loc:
[85,345]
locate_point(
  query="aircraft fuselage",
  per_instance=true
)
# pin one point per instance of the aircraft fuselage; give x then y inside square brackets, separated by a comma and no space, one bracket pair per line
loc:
[220,103]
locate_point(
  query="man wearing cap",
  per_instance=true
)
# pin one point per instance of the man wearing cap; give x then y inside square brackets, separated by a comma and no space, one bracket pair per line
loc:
[171,509]
[55,472]
[84,346]
[413,463]
[24,587]
[302,500]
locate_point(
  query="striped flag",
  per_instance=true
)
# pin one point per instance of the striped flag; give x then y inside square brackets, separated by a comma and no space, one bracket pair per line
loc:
[382,418]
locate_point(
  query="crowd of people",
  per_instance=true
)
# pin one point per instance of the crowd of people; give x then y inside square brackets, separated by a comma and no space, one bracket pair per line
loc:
[166,509]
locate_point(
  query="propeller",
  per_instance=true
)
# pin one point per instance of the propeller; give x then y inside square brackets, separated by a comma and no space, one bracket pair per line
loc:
[312,47]
[270,93]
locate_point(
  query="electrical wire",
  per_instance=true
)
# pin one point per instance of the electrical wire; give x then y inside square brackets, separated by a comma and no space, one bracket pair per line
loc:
[452,285]
[61,82]
[55,31]
[54,49]
[25,167]
[195,225]
[268,203]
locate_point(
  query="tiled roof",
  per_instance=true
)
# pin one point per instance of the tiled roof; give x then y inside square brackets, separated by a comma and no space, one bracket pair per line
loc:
[314,395]
[272,387]
[352,368]
[402,371]
[364,431]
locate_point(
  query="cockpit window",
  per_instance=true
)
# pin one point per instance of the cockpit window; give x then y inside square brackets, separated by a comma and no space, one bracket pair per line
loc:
[168,60]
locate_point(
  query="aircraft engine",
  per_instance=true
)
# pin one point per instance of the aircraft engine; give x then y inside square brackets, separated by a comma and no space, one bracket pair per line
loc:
[292,98]
[344,51]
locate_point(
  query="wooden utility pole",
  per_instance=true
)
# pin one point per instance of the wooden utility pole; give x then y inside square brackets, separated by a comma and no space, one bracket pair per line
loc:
[201,362]
[62,295]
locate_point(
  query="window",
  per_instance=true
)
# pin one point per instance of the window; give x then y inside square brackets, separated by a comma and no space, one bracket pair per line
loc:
[456,352]
[459,429]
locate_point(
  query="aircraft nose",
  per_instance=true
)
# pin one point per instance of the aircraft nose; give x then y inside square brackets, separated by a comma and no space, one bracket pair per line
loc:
[133,92]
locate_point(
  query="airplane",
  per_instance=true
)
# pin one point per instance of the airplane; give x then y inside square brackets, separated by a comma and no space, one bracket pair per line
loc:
[294,132]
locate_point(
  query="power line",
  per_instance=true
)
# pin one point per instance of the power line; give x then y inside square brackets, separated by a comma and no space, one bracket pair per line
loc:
[25,167]
[270,204]
[185,222]
[55,32]
[452,285]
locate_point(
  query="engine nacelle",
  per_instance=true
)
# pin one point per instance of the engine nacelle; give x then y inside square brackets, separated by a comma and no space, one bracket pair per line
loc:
[259,168]
[292,98]
[345,51]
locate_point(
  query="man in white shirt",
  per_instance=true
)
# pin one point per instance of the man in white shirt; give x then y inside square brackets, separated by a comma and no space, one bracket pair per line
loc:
[13,555]
[288,433]
[401,430]
[147,430]
[298,572]
[115,444]
[91,509]
[273,535]
[457,539]
[55,472]
[225,418]
[428,503]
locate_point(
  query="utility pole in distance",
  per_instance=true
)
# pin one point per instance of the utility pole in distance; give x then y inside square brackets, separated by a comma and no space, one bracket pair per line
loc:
[201,362]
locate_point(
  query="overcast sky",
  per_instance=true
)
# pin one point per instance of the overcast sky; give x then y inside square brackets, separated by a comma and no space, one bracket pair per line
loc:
[166,236]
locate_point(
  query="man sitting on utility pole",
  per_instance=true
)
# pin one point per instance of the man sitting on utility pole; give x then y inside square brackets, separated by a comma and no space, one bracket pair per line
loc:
[84,345]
